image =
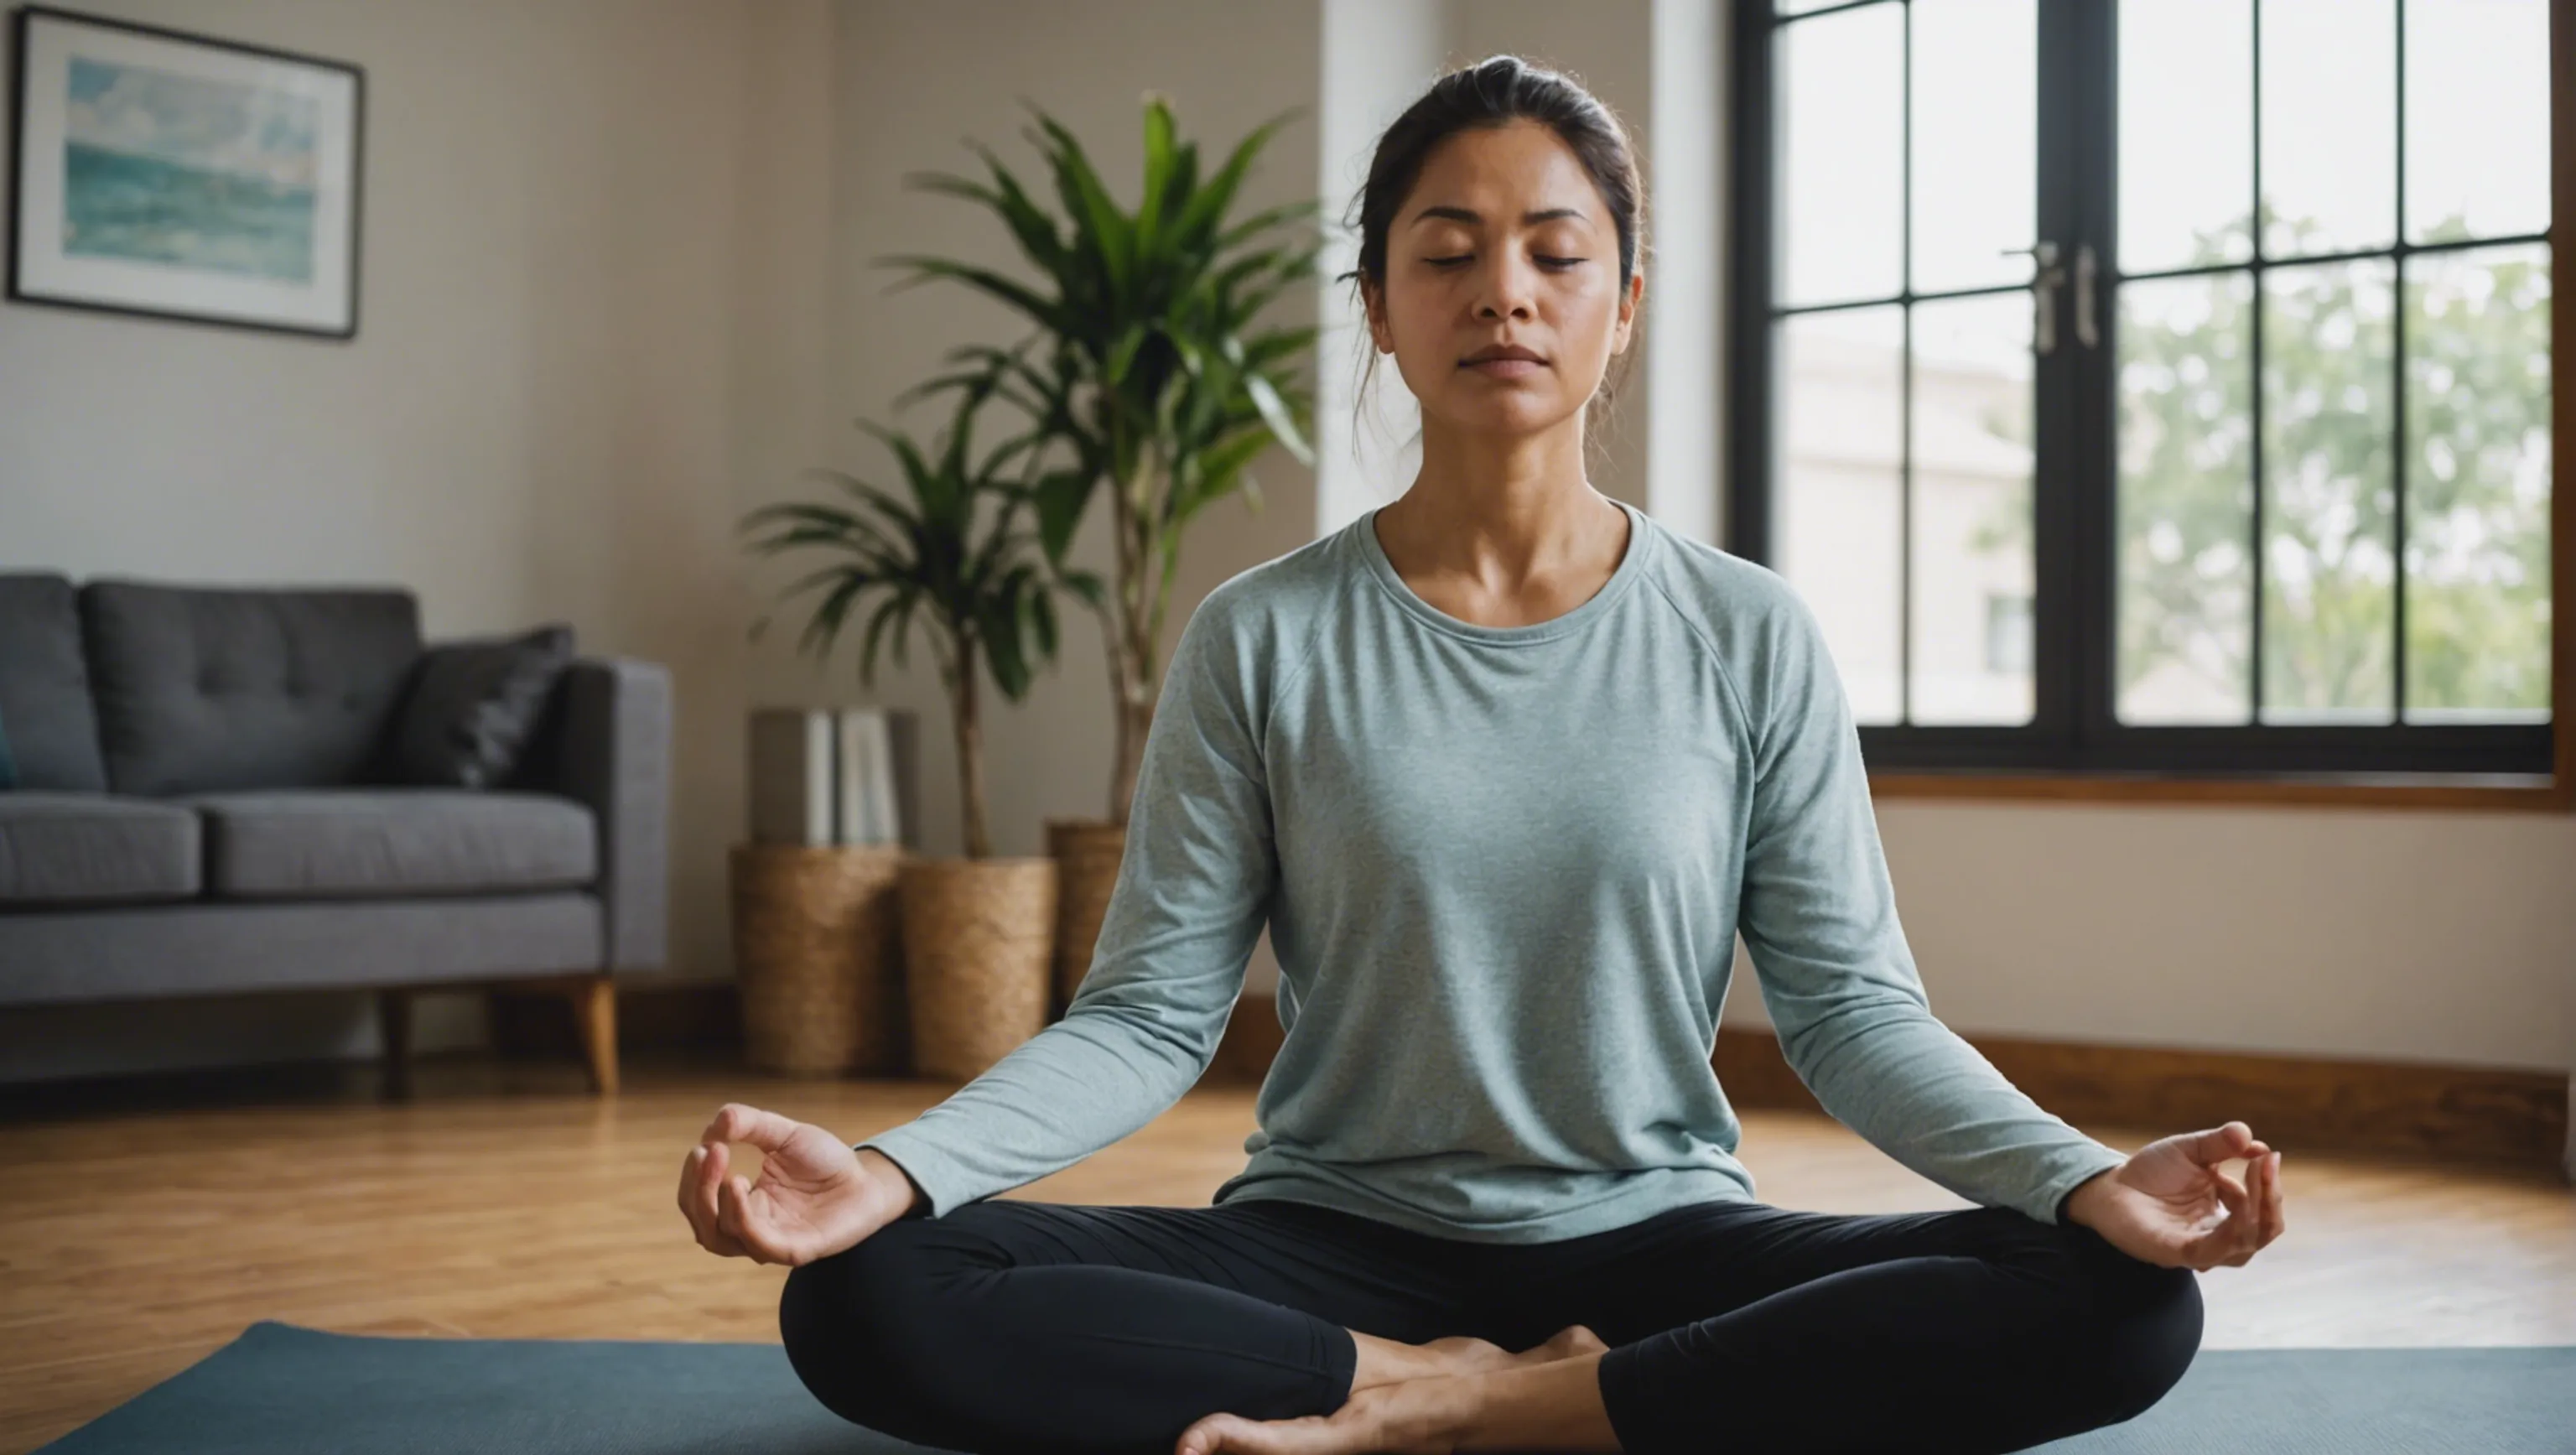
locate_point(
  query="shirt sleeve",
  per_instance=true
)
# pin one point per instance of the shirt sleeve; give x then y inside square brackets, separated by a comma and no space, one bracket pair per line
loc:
[1818,913]
[1193,891]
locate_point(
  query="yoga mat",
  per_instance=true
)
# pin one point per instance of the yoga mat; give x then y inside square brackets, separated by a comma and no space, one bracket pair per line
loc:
[283,1390]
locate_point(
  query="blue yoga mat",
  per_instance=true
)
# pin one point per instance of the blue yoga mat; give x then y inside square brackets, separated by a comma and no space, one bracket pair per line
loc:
[283,1390]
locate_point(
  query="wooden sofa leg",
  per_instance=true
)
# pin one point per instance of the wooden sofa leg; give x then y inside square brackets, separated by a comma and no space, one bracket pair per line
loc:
[393,1024]
[595,1006]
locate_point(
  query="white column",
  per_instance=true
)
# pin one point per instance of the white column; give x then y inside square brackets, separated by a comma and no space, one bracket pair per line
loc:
[1378,55]
[1685,337]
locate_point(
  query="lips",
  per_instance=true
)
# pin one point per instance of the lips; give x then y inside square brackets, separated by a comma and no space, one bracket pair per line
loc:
[1493,353]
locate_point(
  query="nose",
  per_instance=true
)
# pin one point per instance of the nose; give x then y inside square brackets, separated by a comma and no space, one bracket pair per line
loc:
[1504,286]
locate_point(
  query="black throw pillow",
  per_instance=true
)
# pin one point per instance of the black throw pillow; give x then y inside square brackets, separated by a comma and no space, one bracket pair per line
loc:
[472,707]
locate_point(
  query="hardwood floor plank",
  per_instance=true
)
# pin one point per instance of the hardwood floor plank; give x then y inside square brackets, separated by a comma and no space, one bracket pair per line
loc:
[504,1204]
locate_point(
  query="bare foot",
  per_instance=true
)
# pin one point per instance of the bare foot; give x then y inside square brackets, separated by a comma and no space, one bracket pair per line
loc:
[1462,1355]
[1571,1342]
[1384,1361]
[1386,1419]
[1402,1417]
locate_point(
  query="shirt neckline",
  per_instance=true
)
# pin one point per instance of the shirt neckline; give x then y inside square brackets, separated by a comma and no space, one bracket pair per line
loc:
[1631,565]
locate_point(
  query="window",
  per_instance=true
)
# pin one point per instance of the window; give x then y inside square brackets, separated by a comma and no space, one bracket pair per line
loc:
[2160,385]
[2007,635]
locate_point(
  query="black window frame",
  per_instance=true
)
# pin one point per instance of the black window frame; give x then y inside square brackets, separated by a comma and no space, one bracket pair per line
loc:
[2074,728]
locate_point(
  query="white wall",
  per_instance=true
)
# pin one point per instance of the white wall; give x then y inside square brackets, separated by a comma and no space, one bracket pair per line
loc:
[618,289]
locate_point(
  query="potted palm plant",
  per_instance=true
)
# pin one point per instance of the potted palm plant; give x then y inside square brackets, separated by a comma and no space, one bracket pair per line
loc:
[953,554]
[1151,377]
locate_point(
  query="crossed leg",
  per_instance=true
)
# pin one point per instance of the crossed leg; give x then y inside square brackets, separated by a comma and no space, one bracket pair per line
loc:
[1282,1329]
[1030,1328]
[1757,1328]
[1740,1326]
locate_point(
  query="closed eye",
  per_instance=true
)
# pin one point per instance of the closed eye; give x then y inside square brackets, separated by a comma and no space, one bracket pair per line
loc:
[1544,261]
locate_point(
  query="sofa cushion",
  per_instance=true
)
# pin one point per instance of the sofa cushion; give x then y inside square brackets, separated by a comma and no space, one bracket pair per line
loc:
[227,946]
[472,707]
[44,686]
[312,843]
[78,848]
[215,689]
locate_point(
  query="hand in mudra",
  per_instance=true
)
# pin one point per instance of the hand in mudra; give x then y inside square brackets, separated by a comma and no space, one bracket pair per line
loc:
[813,1198]
[2170,1205]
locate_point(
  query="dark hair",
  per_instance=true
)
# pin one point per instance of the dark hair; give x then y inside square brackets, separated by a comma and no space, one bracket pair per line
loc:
[1492,93]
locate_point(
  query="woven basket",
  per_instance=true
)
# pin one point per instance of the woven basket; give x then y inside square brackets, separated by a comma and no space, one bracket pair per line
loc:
[818,950]
[977,936]
[1087,853]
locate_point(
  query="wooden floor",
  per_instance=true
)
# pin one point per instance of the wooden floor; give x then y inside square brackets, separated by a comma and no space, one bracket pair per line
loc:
[502,1201]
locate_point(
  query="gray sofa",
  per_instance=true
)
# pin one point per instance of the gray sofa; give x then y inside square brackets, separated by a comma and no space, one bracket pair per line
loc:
[200,809]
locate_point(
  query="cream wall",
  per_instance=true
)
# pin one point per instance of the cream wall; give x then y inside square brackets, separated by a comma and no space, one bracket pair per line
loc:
[617,290]
[2401,936]
[540,417]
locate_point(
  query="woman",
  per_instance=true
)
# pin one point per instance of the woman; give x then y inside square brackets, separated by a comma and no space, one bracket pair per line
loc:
[1504,766]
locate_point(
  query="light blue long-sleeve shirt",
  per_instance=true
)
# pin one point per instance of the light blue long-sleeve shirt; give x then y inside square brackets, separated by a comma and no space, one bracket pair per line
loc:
[1503,869]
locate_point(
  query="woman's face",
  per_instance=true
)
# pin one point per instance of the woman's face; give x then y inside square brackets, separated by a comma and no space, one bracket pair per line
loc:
[1504,241]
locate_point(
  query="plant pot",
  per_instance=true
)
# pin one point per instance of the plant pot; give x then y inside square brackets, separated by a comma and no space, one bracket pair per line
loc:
[1087,852]
[977,937]
[818,954]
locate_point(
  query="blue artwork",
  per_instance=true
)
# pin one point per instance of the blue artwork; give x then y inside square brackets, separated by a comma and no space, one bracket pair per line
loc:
[172,175]
[188,171]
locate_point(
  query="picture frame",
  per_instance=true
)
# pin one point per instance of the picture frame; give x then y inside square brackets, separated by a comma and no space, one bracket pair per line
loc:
[173,175]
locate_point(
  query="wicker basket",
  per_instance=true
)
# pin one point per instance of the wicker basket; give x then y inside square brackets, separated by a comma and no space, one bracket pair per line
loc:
[977,935]
[818,950]
[1087,852]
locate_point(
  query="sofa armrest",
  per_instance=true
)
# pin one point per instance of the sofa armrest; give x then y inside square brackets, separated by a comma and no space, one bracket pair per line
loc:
[615,757]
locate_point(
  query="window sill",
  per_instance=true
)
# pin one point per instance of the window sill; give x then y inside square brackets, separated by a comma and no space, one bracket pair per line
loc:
[2534,792]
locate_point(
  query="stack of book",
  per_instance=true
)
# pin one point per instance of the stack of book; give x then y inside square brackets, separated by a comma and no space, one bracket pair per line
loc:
[834,776]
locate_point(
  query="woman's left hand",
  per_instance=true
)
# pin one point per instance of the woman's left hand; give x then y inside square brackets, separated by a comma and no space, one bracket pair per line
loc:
[2170,1205]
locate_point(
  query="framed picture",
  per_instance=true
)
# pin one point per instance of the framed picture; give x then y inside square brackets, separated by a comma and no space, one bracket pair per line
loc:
[180,176]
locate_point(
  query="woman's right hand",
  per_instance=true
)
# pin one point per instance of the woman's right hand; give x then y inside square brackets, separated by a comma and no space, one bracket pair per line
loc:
[814,1197]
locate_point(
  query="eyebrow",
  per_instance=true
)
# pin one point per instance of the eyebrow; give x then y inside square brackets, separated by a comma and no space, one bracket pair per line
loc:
[1470,215]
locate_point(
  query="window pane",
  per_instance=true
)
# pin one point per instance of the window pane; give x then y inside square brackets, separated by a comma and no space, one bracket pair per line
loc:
[2329,126]
[2186,500]
[2477,118]
[1841,178]
[1972,525]
[2329,568]
[1975,144]
[2186,133]
[2477,485]
[1838,514]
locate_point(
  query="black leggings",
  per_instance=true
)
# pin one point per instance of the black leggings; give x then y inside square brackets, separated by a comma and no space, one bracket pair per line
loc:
[1014,1327]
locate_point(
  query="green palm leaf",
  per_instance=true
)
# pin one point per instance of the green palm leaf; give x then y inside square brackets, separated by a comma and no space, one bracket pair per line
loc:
[1148,372]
